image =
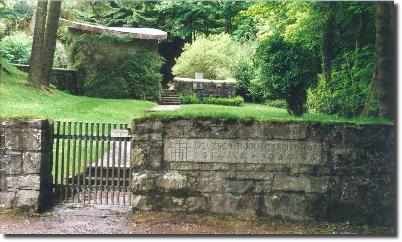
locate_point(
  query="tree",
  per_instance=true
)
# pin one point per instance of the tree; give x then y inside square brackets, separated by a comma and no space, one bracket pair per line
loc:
[52,25]
[38,54]
[286,71]
[44,41]
[385,70]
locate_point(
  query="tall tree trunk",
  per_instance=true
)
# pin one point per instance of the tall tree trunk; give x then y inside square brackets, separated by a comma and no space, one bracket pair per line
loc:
[385,75]
[37,53]
[328,42]
[52,25]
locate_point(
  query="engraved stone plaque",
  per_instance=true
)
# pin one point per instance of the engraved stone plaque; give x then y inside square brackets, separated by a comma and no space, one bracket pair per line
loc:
[2,140]
[242,151]
[3,181]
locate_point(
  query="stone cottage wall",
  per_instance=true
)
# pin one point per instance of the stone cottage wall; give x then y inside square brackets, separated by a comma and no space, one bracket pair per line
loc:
[292,171]
[204,88]
[63,79]
[25,164]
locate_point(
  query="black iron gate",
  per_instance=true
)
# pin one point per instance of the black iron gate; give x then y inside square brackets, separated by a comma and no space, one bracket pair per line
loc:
[91,163]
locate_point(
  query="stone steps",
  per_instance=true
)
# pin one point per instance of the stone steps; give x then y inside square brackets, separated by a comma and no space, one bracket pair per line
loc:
[169,97]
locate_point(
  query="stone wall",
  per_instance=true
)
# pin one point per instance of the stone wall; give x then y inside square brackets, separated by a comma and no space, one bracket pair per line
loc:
[25,164]
[204,87]
[292,171]
[62,79]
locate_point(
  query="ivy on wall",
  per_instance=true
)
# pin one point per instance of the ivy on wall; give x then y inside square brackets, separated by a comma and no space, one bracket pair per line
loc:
[131,70]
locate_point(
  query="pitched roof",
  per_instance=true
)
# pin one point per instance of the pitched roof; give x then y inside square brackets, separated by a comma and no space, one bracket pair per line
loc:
[135,33]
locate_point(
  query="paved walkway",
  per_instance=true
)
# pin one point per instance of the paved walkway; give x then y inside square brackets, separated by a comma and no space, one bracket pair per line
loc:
[75,219]
[165,108]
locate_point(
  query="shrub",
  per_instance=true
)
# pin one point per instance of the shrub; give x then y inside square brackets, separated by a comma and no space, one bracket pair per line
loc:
[189,99]
[214,55]
[143,76]
[276,103]
[136,77]
[286,70]
[16,48]
[234,101]
[128,74]
[193,99]
[348,90]
[257,91]
[244,73]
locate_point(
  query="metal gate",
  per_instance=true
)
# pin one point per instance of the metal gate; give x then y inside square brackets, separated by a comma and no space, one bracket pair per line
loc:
[91,163]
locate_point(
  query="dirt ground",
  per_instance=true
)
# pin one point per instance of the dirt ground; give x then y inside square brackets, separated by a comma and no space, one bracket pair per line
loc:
[76,219]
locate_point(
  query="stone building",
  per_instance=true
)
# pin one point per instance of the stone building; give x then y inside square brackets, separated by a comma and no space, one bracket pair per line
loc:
[205,87]
[141,37]
[94,46]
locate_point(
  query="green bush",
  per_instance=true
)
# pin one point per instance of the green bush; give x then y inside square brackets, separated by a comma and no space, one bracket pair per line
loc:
[118,73]
[348,90]
[143,74]
[136,77]
[16,48]
[214,55]
[276,103]
[193,99]
[244,73]
[234,101]
[286,70]
[257,91]
[189,99]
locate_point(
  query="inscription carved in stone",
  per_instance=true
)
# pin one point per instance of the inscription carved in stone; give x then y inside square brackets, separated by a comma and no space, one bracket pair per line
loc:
[241,151]
[3,181]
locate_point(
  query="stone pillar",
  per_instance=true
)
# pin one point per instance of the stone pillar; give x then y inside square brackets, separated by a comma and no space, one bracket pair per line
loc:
[25,164]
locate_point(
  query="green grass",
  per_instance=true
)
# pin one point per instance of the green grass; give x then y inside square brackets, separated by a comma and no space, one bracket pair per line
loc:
[257,112]
[20,100]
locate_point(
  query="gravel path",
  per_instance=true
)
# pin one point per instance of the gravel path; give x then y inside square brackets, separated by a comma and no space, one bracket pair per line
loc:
[75,219]
[69,219]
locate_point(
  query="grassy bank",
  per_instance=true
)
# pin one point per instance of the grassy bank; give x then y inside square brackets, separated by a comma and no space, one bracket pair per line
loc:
[18,99]
[257,112]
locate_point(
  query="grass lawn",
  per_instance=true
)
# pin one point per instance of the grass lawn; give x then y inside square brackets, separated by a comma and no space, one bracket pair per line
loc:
[20,100]
[257,112]
[17,99]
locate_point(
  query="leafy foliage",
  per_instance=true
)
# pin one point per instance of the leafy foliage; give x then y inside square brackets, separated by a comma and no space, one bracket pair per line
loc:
[285,70]
[214,55]
[117,74]
[276,103]
[244,73]
[349,88]
[17,49]
[193,99]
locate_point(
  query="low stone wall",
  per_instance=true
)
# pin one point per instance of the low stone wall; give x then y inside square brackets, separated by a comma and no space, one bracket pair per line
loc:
[292,171]
[62,79]
[204,88]
[25,164]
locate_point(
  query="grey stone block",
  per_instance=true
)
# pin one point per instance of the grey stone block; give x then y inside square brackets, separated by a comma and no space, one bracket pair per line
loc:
[23,139]
[141,202]
[11,162]
[193,204]
[228,203]
[32,162]
[27,199]
[24,182]
[172,181]
[292,206]
[7,200]
[143,181]
[300,184]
